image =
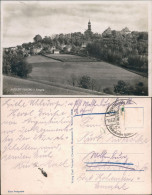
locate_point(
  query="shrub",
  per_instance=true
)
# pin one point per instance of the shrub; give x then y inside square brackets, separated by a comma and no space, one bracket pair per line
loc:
[21,68]
[107,90]
[121,87]
[85,82]
[124,62]
[140,89]
[127,89]
[6,69]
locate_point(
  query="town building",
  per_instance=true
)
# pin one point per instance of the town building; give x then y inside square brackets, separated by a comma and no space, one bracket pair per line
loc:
[88,33]
[56,51]
[125,31]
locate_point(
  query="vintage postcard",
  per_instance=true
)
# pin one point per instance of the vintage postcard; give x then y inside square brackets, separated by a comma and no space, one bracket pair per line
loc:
[76,146]
[89,48]
[70,119]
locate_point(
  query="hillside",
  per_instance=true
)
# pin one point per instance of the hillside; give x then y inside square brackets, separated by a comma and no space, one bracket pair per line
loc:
[64,75]
[17,86]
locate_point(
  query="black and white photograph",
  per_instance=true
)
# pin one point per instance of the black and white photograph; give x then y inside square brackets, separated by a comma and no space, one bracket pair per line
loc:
[75,48]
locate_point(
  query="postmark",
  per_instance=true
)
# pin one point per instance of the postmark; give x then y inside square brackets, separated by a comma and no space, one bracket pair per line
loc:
[115,118]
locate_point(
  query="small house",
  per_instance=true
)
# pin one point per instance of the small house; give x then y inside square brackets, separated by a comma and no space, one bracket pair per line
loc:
[56,51]
[36,50]
[51,49]
[84,45]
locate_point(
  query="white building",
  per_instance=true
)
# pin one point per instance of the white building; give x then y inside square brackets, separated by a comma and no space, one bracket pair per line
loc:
[56,51]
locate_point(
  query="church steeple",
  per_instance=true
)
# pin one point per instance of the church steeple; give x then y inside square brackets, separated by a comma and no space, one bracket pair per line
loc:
[88,33]
[89,25]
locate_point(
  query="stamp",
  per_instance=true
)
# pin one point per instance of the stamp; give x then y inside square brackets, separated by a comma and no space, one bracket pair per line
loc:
[115,118]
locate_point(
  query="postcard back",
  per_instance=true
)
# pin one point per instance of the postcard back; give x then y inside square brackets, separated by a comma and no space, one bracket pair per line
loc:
[76,145]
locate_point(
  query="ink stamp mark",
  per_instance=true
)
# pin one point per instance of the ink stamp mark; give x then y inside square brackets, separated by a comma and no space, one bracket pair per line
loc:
[115,118]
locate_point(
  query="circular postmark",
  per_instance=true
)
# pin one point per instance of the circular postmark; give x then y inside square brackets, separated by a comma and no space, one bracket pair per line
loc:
[115,118]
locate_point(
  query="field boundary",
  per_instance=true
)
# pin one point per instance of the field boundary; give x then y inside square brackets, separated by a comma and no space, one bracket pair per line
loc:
[87,59]
[52,58]
[130,70]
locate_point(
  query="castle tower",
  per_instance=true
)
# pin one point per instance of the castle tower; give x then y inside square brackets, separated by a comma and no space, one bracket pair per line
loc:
[89,26]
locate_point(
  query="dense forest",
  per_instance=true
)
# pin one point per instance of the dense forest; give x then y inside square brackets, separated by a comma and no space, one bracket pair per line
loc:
[127,50]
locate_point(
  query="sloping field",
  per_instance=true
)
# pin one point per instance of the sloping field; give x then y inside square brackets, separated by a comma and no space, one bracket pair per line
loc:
[17,86]
[53,77]
[39,59]
[69,58]
[105,74]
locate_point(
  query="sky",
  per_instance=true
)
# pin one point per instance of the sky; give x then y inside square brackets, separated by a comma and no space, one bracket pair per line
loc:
[22,20]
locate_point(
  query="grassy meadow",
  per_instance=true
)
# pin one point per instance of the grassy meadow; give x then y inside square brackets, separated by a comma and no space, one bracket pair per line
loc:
[105,74]
[56,77]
